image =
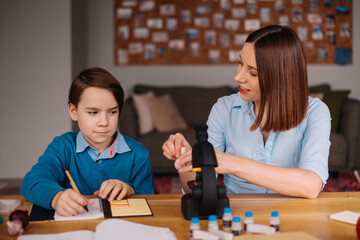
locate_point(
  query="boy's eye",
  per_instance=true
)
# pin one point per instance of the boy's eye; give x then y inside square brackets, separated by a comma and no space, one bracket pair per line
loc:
[92,113]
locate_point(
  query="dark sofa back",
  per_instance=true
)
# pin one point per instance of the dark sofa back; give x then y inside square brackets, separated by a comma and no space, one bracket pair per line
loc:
[194,103]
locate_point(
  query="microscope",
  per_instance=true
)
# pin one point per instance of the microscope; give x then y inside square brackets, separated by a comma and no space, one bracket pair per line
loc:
[207,197]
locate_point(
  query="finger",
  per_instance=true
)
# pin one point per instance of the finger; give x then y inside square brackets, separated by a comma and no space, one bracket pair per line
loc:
[105,191]
[185,159]
[169,146]
[122,194]
[185,168]
[179,142]
[90,202]
[96,193]
[69,210]
[102,187]
[78,204]
[166,151]
[78,198]
[168,156]
[115,191]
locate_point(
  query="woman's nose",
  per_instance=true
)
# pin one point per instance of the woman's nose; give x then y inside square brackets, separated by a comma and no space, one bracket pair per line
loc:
[240,76]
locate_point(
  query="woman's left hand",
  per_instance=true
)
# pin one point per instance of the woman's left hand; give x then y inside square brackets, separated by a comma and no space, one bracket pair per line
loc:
[226,162]
[114,189]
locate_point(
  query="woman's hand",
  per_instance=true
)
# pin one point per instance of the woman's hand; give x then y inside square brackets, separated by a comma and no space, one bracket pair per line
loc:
[69,202]
[172,150]
[226,163]
[172,147]
[114,189]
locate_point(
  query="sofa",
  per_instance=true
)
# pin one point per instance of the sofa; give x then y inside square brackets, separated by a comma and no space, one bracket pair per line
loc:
[194,104]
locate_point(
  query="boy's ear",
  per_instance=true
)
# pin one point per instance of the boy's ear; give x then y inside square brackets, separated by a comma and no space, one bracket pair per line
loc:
[72,111]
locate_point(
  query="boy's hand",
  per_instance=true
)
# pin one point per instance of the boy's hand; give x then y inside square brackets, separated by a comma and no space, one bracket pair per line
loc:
[69,202]
[114,189]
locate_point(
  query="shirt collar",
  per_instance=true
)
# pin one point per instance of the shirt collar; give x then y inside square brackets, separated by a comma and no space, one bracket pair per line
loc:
[118,146]
[241,103]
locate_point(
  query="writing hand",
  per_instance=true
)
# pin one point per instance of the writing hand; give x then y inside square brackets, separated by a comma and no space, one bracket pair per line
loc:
[69,202]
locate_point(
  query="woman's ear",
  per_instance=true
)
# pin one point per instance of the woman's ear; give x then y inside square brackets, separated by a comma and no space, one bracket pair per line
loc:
[72,111]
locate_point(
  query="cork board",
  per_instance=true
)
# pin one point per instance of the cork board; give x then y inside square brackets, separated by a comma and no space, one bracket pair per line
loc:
[178,32]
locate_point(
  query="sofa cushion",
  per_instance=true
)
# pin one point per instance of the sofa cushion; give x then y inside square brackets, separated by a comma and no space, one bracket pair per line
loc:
[194,103]
[145,119]
[335,101]
[166,114]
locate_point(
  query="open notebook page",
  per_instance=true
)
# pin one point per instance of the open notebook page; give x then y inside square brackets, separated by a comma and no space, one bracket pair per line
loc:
[75,235]
[121,229]
[95,211]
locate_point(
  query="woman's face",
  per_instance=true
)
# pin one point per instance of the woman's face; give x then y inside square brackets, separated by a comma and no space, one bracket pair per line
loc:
[247,75]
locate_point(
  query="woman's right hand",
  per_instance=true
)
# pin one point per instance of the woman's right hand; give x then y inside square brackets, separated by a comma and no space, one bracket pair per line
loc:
[172,147]
[172,150]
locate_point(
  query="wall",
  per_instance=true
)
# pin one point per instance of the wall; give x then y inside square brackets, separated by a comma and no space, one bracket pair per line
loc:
[42,48]
[100,53]
[35,67]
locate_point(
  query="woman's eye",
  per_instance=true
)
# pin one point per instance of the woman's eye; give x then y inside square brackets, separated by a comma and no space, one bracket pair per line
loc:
[113,112]
[254,74]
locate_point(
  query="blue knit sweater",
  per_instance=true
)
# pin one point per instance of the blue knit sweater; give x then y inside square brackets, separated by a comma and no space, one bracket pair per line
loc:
[46,177]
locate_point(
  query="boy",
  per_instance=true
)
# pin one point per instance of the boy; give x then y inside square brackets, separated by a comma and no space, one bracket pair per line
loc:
[100,160]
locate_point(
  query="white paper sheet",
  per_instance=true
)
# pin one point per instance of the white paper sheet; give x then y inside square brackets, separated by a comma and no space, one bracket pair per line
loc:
[7,205]
[346,216]
[95,211]
[117,229]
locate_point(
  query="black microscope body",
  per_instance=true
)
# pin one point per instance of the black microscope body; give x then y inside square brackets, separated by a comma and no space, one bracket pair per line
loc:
[207,197]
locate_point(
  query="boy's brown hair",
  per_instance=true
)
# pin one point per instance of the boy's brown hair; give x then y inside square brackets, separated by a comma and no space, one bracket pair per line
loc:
[95,77]
[281,66]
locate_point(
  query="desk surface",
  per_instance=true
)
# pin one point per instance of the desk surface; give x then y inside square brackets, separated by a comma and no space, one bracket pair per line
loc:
[296,214]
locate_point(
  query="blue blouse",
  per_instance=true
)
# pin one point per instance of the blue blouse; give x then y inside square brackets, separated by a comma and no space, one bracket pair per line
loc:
[305,146]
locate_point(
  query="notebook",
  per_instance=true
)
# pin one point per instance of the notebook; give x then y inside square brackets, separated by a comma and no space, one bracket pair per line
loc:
[100,209]
[110,229]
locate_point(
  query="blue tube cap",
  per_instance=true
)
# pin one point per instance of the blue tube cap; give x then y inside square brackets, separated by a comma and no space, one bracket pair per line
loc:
[274,213]
[227,210]
[248,214]
[195,220]
[212,218]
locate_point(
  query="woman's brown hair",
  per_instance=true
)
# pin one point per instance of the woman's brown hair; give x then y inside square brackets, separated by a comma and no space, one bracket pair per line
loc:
[95,77]
[282,72]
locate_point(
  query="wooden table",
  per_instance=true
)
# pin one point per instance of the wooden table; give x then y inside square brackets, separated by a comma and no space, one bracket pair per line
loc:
[296,214]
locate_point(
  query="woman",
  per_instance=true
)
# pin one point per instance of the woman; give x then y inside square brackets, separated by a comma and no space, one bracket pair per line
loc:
[269,137]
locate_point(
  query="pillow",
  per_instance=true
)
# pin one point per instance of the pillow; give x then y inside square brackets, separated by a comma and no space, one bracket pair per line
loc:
[335,100]
[145,119]
[319,95]
[166,114]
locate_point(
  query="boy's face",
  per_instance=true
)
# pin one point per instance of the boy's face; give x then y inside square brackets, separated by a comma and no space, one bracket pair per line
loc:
[97,115]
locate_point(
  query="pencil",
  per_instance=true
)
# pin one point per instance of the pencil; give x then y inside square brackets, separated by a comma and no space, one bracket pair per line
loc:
[72,183]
